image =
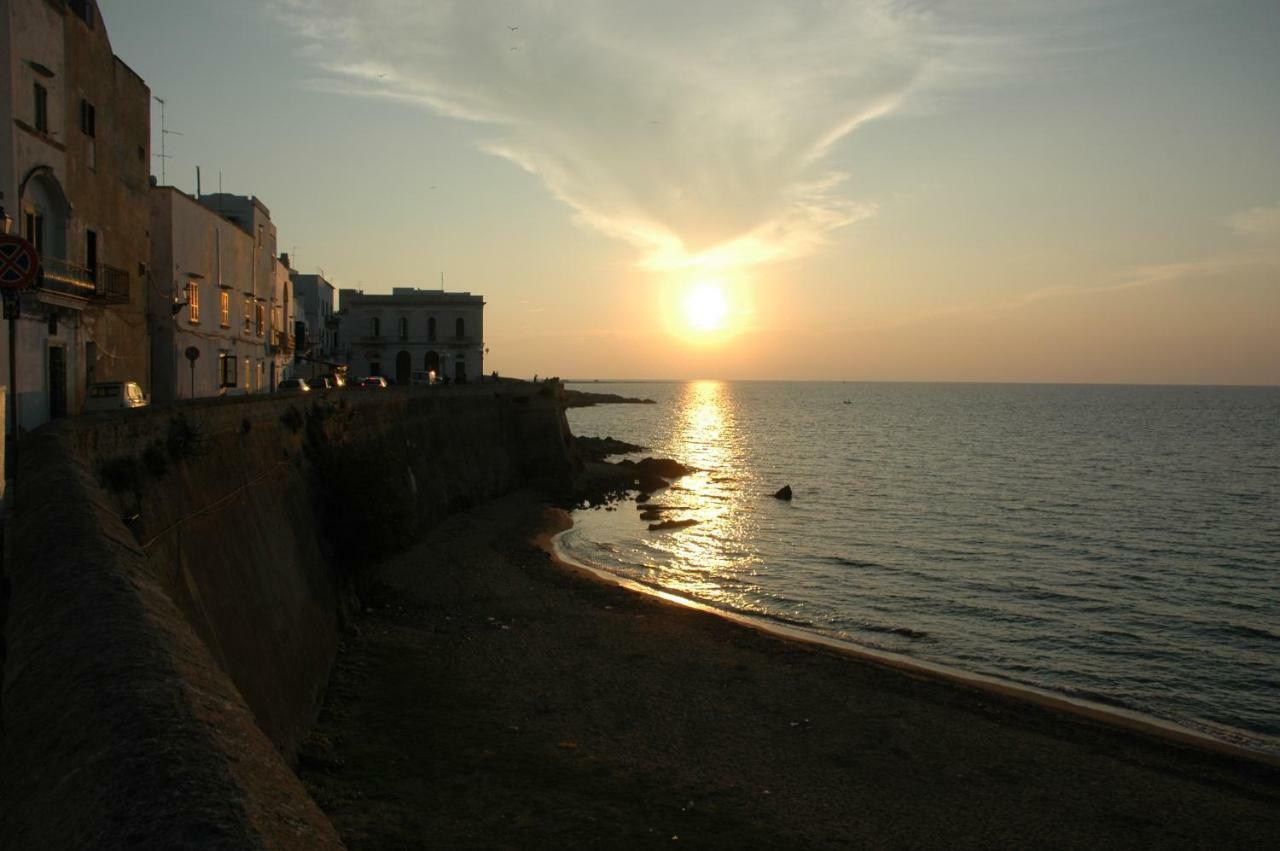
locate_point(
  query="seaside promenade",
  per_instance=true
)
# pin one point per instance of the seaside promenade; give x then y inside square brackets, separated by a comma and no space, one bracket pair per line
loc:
[493,697]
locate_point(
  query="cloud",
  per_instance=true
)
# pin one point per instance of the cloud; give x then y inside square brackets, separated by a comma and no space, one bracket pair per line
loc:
[1261,222]
[695,131]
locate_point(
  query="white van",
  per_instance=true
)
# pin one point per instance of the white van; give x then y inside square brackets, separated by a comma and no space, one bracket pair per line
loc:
[113,395]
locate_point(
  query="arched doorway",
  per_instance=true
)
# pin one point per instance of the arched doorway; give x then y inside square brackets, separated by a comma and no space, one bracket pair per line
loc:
[431,363]
[404,364]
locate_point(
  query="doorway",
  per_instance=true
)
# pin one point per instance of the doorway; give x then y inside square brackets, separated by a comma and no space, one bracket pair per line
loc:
[57,382]
[404,365]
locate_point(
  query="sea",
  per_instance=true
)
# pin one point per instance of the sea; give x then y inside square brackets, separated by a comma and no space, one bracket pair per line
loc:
[1114,544]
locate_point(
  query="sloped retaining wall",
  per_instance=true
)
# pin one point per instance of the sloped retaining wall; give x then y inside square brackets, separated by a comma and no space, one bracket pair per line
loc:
[178,580]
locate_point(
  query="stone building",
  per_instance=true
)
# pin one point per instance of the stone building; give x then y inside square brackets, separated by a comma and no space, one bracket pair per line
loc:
[411,333]
[74,170]
[219,291]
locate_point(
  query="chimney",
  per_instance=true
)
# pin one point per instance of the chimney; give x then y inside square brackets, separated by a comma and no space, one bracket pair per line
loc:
[284,258]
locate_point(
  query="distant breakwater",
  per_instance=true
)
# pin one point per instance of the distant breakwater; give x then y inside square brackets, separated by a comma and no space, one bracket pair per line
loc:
[179,579]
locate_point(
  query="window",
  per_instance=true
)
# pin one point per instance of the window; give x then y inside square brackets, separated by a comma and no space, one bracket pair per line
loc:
[376,327]
[248,314]
[88,119]
[34,227]
[91,254]
[404,328]
[460,328]
[226,370]
[260,317]
[42,108]
[224,309]
[193,302]
[431,328]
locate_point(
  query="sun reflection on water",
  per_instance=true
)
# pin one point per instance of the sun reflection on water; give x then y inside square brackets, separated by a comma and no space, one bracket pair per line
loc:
[711,559]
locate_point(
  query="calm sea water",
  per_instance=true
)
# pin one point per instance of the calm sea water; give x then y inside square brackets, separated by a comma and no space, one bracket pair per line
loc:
[1120,544]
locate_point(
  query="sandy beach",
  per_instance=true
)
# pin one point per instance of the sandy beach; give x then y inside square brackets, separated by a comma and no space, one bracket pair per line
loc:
[492,697]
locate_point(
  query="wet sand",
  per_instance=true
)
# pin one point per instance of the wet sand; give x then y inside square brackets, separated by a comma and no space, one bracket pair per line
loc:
[493,697]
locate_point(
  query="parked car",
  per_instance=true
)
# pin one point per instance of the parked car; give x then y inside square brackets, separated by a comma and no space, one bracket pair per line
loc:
[113,395]
[376,381]
[321,382]
[294,385]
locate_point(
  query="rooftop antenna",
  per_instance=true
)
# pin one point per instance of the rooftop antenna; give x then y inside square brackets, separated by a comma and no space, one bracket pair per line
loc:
[441,280]
[164,131]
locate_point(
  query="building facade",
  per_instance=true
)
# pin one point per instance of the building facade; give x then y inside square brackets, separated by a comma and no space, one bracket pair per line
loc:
[412,331]
[219,293]
[74,170]
[315,327]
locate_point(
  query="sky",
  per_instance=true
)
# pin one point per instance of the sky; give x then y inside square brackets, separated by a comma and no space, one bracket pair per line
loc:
[917,191]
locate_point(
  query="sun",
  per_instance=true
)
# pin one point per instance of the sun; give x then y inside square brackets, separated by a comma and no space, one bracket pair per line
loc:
[705,308]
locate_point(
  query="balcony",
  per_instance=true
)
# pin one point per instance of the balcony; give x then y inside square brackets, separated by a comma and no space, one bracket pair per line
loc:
[113,284]
[281,342]
[107,284]
[59,276]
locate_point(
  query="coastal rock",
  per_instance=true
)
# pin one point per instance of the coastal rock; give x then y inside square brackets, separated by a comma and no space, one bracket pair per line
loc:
[600,448]
[783,493]
[671,524]
[584,399]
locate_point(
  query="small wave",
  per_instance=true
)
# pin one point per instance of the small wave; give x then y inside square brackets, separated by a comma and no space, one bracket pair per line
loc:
[1250,631]
[852,562]
[904,631]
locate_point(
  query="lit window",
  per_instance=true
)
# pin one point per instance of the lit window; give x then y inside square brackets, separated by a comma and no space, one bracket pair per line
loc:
[248,314]
[193,302]
[224,308]
[260,317]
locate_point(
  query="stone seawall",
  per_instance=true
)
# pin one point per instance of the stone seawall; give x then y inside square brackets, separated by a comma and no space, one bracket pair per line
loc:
[179,577]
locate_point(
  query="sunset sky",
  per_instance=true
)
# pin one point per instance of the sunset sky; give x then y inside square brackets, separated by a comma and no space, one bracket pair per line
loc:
[737,189]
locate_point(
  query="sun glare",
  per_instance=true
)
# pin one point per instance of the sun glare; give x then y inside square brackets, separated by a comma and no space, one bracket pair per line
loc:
[705,308]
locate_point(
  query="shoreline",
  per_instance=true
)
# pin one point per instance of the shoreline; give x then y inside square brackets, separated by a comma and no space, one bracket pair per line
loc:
[493,695]
[1116,716]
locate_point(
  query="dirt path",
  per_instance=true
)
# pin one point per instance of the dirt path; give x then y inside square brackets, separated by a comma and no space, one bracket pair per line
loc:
[492,699]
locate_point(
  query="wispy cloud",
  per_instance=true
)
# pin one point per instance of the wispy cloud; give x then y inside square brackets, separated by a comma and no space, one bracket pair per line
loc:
[695,131]
[1257,222]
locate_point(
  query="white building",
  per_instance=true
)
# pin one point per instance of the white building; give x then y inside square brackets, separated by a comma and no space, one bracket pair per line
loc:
[218,291]
[74,169]
[315,326]
[412,331]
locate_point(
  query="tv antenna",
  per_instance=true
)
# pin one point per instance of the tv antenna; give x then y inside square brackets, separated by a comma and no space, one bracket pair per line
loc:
[164,131]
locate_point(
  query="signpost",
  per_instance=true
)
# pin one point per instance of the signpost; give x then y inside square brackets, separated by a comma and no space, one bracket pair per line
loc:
[19,266]
[193,355]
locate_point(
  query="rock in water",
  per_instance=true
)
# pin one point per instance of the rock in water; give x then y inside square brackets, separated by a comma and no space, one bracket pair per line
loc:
[784,493]
[670,524]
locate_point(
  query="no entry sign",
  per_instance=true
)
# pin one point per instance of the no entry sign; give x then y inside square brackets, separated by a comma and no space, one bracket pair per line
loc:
[18,263]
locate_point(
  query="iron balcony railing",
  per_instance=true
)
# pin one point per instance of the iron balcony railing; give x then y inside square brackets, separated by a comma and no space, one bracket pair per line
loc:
[282,342]
[59,276]
[113,283]
[106,282]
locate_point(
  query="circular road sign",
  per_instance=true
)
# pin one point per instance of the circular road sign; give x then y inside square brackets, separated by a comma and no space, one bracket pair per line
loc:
[193,354]
[19,263]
